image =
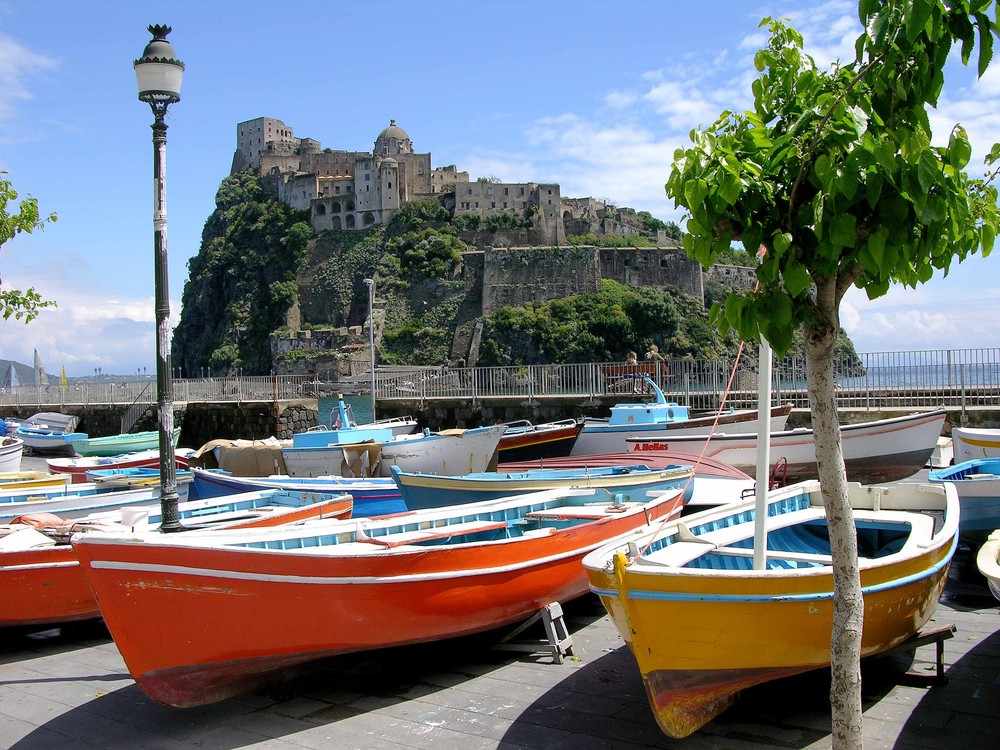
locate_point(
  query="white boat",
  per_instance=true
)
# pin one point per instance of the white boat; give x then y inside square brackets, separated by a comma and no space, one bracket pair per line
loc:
[78,466]
[978,485]
[661,419]
[446,452]
[48,432]
[970,442]
[72,504]
[885,450]
[11,450]
[988,562]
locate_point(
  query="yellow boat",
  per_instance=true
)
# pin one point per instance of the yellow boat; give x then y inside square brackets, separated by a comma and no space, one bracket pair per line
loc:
[26,480]
[703,624]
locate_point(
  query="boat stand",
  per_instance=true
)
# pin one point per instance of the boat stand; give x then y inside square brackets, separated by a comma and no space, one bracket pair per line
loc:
[926,637]
[558,640]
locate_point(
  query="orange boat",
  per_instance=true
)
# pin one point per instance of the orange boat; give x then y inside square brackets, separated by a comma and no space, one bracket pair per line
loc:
[199,618]
[40,574]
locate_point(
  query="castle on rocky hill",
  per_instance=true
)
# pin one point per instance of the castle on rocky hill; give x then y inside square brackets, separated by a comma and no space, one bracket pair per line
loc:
[362,189]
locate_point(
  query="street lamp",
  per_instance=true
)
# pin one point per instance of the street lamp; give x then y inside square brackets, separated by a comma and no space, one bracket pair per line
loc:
[158,74]
[370,283]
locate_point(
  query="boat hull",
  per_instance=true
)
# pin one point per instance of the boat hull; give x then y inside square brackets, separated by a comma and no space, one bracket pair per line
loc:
[630,483]
[372,497]
[969,443]
[43,587]
[700,636]
[78,466]
[988,562]
[534,442]
[598,437]
[116,445]
[882,451]
[446,452]
[280,608]
[46,585]
[11,450]
[978,485]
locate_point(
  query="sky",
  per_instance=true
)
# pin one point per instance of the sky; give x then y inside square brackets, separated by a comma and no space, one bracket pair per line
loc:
[593,95]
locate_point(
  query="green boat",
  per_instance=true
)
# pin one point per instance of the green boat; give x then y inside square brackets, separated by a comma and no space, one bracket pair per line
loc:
[115,445]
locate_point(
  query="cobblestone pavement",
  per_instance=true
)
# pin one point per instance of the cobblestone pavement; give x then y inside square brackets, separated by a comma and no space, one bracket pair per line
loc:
[68,688]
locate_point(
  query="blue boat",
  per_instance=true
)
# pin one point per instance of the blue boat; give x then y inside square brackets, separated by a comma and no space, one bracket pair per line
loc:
[630,483]
[376,496]
[978,485]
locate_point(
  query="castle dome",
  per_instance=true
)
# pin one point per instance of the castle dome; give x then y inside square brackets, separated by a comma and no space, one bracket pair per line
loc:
[393,140]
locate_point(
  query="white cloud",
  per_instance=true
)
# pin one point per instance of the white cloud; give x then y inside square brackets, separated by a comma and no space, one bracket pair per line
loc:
[86,331]
[18,65]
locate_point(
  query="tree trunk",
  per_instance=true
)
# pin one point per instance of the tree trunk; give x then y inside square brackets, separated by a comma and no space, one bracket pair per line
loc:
[848,610]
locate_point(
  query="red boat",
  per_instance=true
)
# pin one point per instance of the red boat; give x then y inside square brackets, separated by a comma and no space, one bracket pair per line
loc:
[78,466]
[199,618]
[40,574]
[523,441]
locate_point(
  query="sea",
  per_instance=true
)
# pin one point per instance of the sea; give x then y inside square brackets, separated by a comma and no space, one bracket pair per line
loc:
[361,407]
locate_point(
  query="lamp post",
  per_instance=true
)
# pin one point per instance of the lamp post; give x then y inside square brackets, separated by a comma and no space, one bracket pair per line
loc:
[370,283]
[158,74]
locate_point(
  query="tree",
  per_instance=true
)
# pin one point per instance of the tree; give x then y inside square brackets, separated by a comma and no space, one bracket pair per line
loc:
[834,173]
[14,302]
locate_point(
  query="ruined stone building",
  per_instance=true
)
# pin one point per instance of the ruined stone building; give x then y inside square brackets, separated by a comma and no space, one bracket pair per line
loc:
[361,189]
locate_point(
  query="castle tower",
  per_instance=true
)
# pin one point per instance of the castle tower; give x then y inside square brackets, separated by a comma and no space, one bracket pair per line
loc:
[392,141]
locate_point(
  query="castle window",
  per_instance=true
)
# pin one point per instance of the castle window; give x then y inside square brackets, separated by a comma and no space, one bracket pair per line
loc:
[470,191]
[320,209]
[489,191]
[522,192]
[337,190]
[506,191]
[550,192]
[493,204]
[477,204]
[390,185]
[368,177]
[505,204]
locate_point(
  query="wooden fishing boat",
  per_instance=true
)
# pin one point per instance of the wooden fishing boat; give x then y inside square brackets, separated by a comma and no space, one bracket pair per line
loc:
[78,466]
[978,485]
[116,445]
[988,562]
[885,450]
[627,483]
[446,452]
[73,504]
[40,574]
[703,624]
[11,450]
[202,617]
[714,483]
[524,441]
[661,420]
[49,432]
[972,442]
[29,480]
[373,496]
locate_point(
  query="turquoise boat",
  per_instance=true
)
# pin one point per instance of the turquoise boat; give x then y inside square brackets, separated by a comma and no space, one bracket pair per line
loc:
[116,445]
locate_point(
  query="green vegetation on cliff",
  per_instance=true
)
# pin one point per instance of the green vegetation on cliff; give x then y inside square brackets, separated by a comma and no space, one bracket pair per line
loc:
[242,281]
[261,268]
[602,327]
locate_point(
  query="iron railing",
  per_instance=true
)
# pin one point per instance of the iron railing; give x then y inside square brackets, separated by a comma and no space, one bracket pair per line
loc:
[889,380]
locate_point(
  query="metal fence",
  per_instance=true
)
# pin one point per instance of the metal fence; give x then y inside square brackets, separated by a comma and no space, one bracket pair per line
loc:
[889,380]
[142,391]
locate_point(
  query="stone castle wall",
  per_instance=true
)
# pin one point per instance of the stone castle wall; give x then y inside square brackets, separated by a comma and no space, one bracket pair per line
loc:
[516,276]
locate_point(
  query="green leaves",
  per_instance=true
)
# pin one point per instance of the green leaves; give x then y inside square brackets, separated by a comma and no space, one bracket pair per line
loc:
[835,169]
